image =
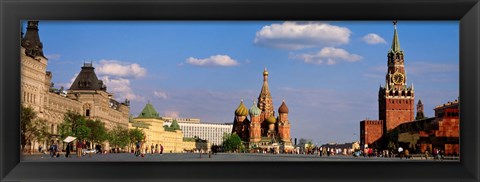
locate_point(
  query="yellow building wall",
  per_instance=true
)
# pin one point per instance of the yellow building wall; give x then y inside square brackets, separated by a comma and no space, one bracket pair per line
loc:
[172,141]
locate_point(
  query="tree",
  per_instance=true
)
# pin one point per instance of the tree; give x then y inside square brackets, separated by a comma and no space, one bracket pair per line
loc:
[119,137]
[98,132]
[32,128]
[135,135]
[71,122]
[231,142]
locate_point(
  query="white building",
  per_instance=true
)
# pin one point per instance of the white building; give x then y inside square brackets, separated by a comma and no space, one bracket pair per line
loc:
[181,120]
[212,132]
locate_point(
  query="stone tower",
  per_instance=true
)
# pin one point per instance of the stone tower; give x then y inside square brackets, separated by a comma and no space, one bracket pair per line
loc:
[420,114]
[255,128]
[265,103]
[241,123]
[396,99]
[35,78]
[283,123]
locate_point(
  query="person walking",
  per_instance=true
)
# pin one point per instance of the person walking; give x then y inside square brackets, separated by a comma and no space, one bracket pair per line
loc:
[67,152]
[407,154]
[54,150]
[400,152]
[137,149]
[79,148]
[161,149]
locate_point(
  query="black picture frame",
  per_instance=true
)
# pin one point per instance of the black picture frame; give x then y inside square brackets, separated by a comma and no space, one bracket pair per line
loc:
[466,11]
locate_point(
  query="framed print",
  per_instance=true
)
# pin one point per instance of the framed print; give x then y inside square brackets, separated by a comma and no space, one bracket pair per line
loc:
[239,90]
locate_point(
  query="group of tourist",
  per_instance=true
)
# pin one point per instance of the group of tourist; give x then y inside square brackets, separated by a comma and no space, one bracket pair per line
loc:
[141,149]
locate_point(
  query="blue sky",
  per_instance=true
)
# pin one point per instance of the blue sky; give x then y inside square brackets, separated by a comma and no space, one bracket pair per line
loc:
[328,72]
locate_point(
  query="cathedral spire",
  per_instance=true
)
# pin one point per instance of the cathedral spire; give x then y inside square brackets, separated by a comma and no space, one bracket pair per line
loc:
[395,43]
[265,90]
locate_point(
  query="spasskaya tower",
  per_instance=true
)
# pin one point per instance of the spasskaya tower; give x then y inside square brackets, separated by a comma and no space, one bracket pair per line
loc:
[396,100]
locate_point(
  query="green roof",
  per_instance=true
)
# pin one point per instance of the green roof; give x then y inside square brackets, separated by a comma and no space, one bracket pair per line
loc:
[140,124]
[148,112]
[175,125]
[396,42]
[186,139]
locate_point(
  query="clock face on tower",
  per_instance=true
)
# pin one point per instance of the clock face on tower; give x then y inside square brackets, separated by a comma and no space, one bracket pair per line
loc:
[398,78]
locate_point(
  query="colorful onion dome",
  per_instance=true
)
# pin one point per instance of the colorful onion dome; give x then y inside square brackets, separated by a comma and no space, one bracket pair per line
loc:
[271,120]
[254,110]
[283,108]
[241,110]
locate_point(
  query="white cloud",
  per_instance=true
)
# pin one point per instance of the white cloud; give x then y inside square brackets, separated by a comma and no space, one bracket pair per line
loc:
[53,56]
[120,69]
[373,39]
[120,87]
[299,35]
[216,60]
[160,94]
[327,55]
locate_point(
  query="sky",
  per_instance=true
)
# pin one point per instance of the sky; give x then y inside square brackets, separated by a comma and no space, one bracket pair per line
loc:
[328,72]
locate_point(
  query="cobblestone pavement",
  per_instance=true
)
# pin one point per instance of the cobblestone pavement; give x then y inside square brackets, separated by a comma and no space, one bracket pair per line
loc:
[187,157]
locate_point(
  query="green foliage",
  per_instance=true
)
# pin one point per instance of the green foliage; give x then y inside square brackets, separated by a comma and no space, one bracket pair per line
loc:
[119,137]
[98,132]
[231,142]
[71,122]
[135,135]
[31,127]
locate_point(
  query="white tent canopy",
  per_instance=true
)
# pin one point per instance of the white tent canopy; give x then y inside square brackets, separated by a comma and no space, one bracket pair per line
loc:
[69,139]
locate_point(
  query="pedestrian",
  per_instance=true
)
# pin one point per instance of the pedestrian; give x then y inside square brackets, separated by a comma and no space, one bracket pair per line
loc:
[426,154]
[156,148]
[151,148]
[50,149]
[407,154]
[400,152]
[137,149]
[67,152]
[161,149]
[79,148]
[54,150]
[40,148]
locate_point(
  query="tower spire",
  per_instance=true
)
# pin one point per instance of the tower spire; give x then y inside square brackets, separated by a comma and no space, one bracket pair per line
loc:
[31,41]
[395,42]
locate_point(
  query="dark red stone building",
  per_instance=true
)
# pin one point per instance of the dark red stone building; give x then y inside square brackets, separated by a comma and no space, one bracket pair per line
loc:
[370,131]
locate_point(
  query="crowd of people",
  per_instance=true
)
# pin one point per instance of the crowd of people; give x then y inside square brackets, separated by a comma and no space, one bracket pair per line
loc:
[141,149]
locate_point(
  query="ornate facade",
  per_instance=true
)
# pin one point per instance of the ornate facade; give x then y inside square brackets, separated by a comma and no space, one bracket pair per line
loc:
[87,96]
[263,130]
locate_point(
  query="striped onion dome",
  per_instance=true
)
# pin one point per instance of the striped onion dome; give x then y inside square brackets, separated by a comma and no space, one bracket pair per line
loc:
[241,110]
[254,110]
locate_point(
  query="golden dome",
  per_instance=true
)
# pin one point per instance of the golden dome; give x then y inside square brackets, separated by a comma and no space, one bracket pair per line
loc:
[241,110]
[271,120]
[265,72]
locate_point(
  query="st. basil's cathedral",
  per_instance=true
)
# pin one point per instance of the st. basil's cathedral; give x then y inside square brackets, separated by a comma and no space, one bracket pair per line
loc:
[263,130]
